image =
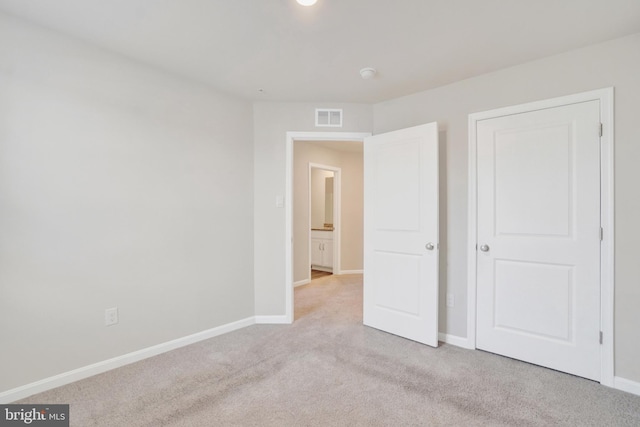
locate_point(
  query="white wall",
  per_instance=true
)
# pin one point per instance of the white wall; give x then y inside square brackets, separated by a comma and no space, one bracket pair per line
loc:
[272,120]
[119,186]
[616,63]
[351,205]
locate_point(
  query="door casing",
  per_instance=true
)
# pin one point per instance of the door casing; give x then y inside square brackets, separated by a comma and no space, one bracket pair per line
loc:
[605,97]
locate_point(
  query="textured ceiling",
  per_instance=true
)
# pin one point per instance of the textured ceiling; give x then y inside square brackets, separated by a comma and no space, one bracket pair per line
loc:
[296,53]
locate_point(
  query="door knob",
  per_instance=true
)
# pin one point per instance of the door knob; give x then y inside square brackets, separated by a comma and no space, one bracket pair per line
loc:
[484,248]
[430,246]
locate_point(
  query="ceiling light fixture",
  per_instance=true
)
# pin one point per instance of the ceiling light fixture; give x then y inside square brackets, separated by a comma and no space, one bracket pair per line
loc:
[307,2]
[368,73]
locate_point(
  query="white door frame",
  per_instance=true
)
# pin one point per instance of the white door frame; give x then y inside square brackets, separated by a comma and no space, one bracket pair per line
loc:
[605,96]
[337,211]
[291,137]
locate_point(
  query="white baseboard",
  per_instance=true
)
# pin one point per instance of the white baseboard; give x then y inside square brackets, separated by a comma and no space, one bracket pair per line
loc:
[107,365]
[301,282]
[455,340]
[350,272]
[27,390]
[626,385]
[272,320]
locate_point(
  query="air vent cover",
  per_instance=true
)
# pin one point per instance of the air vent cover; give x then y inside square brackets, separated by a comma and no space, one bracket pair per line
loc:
[328,117]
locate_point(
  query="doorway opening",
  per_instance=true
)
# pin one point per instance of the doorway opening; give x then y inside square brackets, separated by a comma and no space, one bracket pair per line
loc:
[293,229]
[324,220]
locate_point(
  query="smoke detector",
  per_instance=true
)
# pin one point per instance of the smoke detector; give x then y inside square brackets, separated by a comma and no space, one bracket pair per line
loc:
[368,73]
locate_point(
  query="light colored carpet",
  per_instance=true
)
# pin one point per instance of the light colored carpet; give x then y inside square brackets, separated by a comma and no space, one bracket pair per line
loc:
[326,369]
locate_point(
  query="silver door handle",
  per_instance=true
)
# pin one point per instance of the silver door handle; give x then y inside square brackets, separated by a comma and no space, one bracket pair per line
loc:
[430,246]
[484,248]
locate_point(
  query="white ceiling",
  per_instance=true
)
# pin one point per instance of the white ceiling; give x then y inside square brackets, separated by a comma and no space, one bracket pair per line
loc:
[296,53]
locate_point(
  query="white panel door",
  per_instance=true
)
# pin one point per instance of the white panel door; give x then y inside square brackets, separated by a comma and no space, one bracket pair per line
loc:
[401,233]
[538,258]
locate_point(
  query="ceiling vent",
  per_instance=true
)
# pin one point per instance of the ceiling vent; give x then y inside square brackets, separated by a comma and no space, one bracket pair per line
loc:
[328,117]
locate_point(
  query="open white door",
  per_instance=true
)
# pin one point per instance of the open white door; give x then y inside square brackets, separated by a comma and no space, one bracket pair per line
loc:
[401,233]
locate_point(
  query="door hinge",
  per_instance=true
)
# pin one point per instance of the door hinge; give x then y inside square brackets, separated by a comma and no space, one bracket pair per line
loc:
[601,130]
[601,337]
[601,234]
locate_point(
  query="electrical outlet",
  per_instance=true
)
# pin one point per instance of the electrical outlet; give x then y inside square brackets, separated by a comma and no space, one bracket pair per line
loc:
[111,316]
[451,301]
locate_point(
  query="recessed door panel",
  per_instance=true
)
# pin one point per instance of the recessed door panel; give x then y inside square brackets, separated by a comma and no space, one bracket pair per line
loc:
[534,181]
[524,290]
[397,186]
[396,280]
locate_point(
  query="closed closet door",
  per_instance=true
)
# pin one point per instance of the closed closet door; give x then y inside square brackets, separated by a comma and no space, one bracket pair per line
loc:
[538,257]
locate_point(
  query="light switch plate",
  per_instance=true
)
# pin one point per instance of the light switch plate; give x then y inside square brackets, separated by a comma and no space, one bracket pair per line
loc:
[451,301]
